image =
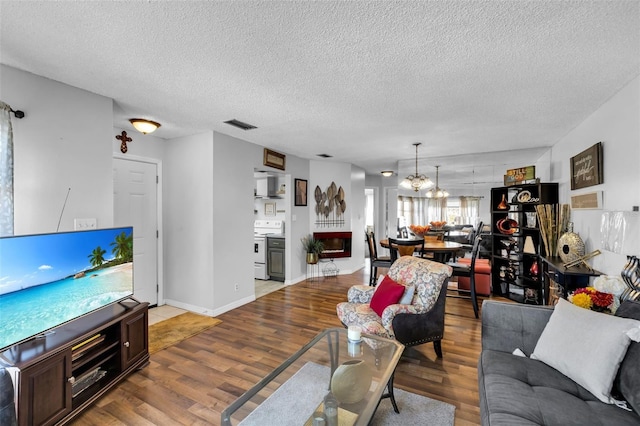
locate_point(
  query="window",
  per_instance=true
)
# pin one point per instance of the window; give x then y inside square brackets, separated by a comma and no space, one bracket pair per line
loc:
[422,210]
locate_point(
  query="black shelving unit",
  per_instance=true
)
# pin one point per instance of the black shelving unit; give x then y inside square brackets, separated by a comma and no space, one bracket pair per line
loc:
[517,247]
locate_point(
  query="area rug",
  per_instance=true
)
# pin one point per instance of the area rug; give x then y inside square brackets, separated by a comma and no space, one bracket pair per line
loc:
[295,401]
[173,330]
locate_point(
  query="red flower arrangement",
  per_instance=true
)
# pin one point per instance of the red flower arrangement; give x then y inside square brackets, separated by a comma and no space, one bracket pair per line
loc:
[590,298]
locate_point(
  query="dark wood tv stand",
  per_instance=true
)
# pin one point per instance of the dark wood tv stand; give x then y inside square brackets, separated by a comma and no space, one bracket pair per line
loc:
[63,372]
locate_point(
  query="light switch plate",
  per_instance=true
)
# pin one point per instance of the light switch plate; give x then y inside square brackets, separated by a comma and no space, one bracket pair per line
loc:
[84,224]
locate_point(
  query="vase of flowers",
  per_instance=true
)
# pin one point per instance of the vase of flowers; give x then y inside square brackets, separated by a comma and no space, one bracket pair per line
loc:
[590,298]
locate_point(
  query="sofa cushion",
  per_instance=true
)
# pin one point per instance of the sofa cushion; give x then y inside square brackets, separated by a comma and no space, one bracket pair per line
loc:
[575,338]
[388,292]
[627,383]
[522,391]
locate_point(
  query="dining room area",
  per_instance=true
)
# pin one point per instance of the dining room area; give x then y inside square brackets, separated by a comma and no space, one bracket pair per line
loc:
[467,268]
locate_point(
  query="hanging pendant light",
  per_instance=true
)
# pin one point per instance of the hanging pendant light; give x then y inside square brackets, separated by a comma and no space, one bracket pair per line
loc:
[437,192]
[417,181]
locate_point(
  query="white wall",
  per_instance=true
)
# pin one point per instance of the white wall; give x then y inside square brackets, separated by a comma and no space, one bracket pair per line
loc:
[357,218]
[351,179]
[142,146]
[188,222]
[64,141]
[617,125]
[232,193]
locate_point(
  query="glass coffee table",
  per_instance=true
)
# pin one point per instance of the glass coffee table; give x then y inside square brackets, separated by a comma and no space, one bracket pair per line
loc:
[356,374]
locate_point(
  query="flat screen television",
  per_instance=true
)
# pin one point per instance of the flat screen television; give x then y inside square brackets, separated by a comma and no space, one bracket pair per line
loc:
[49,279]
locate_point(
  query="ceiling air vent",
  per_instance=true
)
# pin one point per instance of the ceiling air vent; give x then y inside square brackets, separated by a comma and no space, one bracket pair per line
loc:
[324,155]
[240,125]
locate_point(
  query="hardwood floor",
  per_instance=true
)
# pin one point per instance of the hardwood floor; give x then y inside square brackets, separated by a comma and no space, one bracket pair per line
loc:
[193,381]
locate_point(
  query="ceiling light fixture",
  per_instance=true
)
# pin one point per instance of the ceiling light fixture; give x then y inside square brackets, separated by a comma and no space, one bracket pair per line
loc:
[437,192]
[387,173]
[417,181]
[144,126]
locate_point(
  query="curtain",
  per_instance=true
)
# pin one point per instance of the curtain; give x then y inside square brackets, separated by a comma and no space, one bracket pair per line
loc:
[6,171]
[470,209]
[437,209]
[420,210]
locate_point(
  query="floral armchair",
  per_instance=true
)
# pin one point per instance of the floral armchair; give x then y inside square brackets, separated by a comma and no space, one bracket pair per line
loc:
[417,322]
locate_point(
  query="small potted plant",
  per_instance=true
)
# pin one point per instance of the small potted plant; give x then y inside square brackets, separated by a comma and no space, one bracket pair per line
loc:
[313,248]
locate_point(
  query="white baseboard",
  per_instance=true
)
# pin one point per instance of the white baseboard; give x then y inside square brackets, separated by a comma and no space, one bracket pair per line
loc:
[209,312]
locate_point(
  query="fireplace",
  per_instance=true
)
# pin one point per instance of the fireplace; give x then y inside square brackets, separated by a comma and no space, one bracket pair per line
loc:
[336,244]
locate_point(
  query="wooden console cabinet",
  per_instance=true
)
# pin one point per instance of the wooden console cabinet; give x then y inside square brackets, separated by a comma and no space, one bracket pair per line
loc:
[69,368]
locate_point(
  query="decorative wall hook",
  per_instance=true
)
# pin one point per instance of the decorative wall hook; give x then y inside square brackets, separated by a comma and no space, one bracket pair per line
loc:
[123,138]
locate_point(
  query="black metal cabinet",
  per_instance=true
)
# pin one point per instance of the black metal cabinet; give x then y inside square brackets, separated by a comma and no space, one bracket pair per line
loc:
[275,258]
[565,280]
[517,247]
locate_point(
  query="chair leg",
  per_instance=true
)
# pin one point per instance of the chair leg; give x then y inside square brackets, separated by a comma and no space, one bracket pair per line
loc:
[474,299]
[373,275]
[437,346]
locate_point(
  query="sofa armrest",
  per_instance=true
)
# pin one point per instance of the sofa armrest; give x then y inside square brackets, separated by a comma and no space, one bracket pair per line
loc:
[507,326]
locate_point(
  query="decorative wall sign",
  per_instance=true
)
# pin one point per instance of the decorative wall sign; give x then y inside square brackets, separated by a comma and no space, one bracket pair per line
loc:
[592,200]
[586,168]
[274,159]
[519,175]
[301,192]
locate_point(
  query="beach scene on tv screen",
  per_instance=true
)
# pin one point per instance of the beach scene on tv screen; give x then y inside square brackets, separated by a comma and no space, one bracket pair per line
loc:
[46,280]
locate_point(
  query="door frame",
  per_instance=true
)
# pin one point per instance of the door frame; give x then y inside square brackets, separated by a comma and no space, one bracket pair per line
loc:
[158,164]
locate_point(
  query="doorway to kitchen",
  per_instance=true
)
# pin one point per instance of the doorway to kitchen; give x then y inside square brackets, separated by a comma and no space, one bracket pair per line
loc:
[270,209]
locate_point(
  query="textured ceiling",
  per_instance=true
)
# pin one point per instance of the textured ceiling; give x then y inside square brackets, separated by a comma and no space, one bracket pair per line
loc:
[357,80]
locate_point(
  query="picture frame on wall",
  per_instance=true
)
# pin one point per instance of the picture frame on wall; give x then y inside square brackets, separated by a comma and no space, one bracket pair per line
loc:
[274,159]
[300,186]
[587,168]
[269,209]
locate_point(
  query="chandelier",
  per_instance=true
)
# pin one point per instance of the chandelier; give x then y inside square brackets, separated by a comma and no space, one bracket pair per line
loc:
[437,192]
[417,181]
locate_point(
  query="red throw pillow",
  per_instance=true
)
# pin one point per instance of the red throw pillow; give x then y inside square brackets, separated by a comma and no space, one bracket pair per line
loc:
[388,293]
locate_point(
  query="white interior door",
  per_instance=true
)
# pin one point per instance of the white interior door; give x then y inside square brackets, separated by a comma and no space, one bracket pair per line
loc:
[135,203]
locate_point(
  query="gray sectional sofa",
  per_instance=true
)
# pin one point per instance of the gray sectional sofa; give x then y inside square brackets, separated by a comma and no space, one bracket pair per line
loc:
[516,390]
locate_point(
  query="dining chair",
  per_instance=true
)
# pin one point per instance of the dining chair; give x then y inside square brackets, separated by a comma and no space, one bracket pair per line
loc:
[468,270]
[375,262]
[468,246]
[405,247]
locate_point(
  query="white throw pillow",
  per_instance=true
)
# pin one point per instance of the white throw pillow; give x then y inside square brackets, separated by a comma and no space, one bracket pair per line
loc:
[585,346]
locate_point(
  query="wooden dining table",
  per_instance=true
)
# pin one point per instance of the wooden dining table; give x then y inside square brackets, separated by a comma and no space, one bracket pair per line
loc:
[441,250]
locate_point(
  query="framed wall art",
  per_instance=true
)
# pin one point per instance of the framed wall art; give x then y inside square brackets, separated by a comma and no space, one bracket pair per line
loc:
[301,192]
[586,168]
[274,159]
[269,209]
[591,200]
